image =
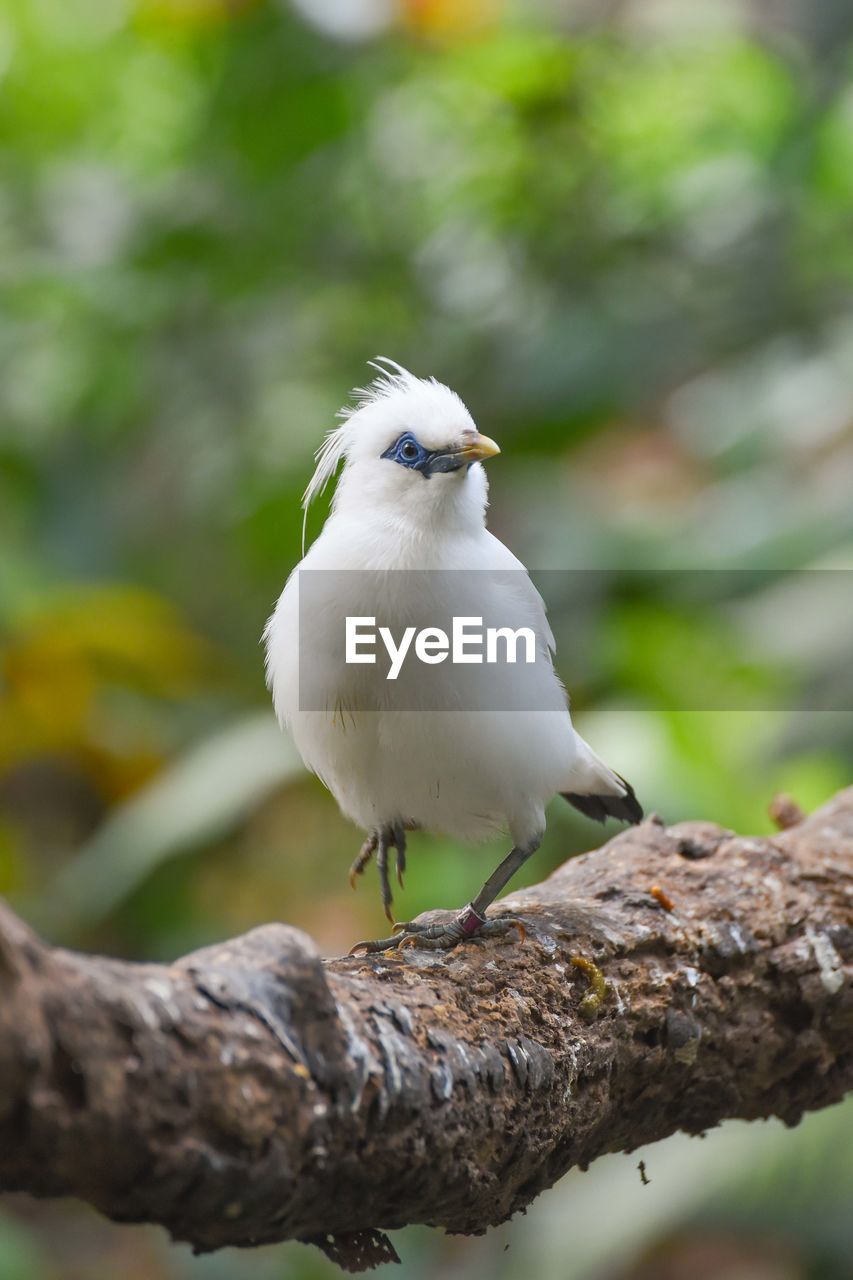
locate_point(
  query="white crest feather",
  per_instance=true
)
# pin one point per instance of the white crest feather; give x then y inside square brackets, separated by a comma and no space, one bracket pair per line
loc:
[328,457]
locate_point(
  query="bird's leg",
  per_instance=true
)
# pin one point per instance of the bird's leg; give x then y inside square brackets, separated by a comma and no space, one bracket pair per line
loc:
[365,853]
[400,846]
[385,839]
[469,923]
[379,841]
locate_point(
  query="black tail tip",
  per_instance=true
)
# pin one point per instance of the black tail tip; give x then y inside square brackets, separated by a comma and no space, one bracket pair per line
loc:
[626,808]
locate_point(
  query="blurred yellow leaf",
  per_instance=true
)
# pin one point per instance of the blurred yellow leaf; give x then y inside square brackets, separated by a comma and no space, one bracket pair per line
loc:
[63,651]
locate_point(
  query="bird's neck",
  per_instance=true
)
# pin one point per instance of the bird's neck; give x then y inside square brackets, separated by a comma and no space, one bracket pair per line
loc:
[414,533]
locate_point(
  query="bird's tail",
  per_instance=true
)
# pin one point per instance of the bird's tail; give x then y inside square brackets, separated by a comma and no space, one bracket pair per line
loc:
[598,792]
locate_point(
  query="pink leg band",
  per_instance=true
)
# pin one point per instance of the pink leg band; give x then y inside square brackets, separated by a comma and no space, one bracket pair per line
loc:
[469,921]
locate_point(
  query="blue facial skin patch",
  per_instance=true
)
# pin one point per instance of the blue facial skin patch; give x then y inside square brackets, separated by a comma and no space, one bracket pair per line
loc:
[409,452]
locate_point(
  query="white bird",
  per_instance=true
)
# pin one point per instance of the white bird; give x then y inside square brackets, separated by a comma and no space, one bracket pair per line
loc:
[442,747]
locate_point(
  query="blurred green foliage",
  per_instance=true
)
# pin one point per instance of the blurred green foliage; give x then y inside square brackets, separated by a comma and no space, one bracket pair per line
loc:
[623,233]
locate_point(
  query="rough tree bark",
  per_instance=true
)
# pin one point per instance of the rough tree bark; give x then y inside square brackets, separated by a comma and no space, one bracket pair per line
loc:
[251,1092]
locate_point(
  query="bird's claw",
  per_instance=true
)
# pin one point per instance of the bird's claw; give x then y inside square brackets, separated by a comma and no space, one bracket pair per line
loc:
[442,935]
[379,842]
[370,946]
[365,853]
[398,839]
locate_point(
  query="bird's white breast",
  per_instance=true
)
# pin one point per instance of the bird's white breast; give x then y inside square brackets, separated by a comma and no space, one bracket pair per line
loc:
[381,747]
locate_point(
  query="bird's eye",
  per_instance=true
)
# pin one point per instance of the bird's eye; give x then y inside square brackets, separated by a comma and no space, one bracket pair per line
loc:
[407,451]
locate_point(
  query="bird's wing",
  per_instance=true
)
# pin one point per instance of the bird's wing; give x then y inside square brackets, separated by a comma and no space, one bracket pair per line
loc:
[497,557]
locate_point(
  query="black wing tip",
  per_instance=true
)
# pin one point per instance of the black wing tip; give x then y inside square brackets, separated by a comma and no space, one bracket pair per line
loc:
[626,808]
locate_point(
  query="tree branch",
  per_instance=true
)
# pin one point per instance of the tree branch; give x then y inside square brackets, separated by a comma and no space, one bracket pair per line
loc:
[251,1092]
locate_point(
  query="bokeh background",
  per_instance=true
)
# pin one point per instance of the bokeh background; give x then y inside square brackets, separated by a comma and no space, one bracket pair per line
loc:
[623,231]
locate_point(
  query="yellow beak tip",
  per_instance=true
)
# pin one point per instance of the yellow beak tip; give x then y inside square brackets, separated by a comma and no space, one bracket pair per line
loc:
[481,448]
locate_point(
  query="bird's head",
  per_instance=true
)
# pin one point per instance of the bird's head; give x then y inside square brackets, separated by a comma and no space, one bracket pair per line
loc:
[409,448]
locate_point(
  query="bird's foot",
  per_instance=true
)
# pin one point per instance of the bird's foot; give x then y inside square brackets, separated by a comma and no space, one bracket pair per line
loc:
[365,853]
[443,934]
[391,836]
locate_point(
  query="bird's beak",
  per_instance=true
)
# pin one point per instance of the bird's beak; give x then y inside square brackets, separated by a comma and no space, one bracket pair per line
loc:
[475,449]
[478,449]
